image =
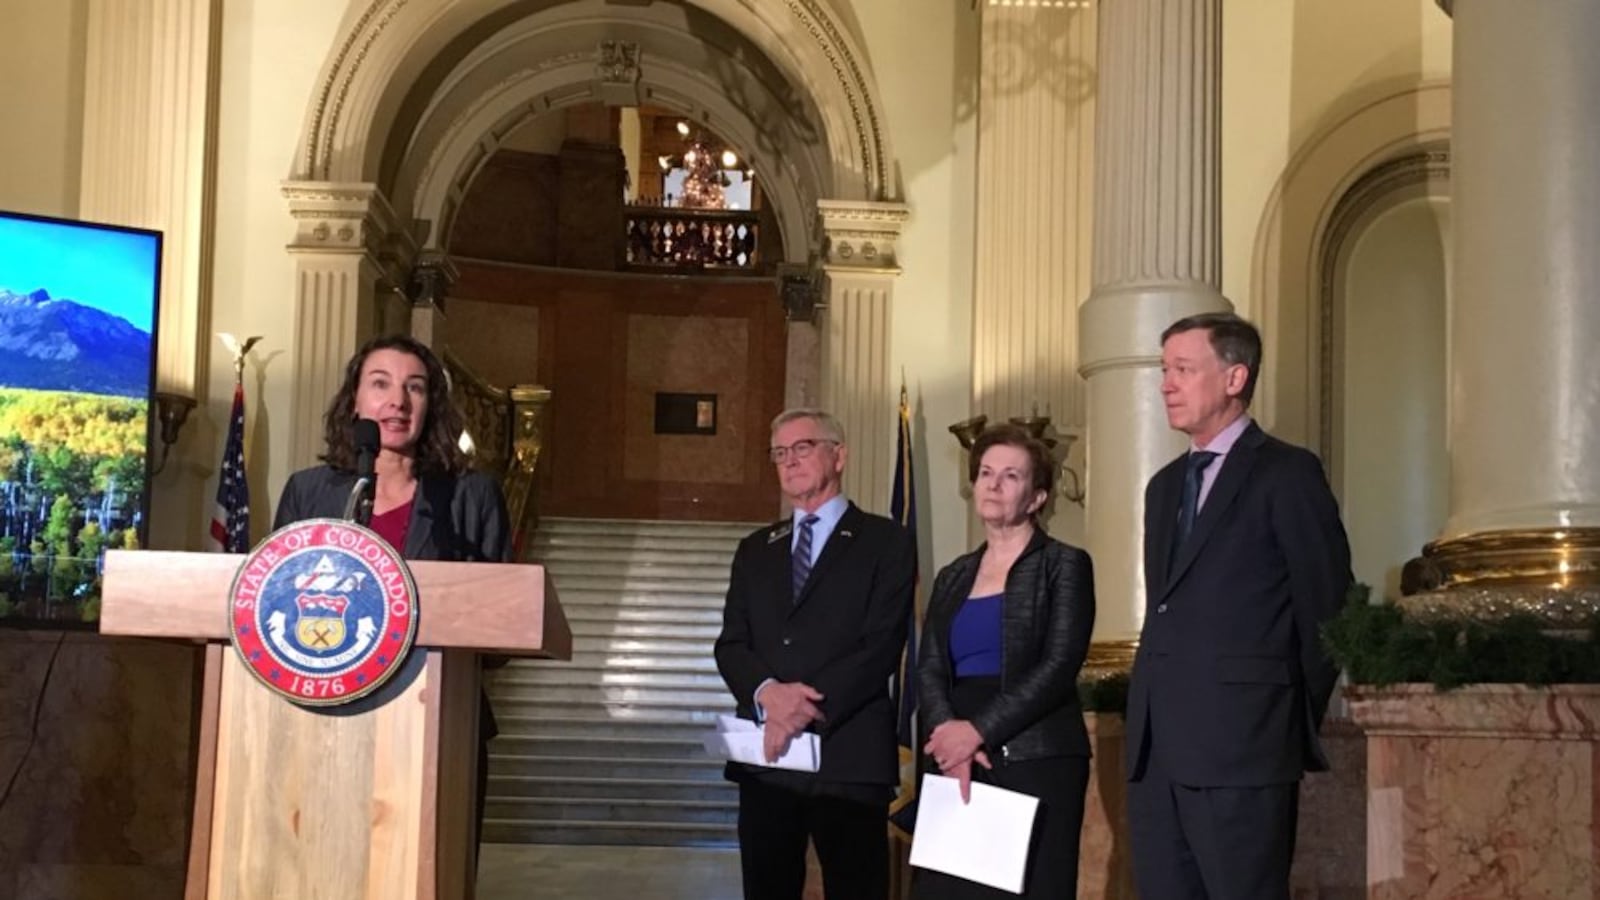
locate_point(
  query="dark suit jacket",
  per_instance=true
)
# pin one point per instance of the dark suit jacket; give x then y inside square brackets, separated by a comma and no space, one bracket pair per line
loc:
[843,637]
[1046,620]
[1231,682]
[453,519]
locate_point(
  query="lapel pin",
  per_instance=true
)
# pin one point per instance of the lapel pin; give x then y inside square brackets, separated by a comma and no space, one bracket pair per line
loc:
[779,534]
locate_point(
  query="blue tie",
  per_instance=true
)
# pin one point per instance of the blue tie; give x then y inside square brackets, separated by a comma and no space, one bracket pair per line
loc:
[802,555]
[1192,479]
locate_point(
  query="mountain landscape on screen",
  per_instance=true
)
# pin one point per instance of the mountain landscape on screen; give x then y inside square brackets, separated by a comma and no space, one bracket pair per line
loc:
[54,344]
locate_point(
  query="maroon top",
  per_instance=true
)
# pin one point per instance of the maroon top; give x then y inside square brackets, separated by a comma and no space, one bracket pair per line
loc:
[393,525]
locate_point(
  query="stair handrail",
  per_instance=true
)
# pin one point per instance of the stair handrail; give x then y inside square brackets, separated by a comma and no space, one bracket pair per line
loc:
[505,426]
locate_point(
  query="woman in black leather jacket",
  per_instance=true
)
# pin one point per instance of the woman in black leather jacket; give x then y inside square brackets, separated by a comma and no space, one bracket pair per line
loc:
[1007,629]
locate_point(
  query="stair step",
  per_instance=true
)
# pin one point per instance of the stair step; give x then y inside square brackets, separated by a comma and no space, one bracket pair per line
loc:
[621,791]
[571,723]
[626,583]
[615,748]
[638,834]
[652,527]
[614,696]
[605,809]
[643,614]
[598,627]
[604,677]
[620,714]
[668,572]
[691,542]
[577,599]
[584,658]
[704,769]
[642,557]
[628,646]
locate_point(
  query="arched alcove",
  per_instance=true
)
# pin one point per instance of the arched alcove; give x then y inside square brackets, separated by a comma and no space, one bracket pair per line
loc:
[1390,122]
[1384,412]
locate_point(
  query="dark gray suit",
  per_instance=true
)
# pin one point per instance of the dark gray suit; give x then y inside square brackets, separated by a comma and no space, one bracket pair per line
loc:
[843,636]
[1230,683]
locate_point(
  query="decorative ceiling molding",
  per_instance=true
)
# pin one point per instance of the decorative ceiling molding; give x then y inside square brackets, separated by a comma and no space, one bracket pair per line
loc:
[863,108]
[335,87]
[379,43]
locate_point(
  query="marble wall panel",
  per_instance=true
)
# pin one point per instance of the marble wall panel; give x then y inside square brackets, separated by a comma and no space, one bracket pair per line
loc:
[498,341]
[1486,791]
[96,733]
[687,355]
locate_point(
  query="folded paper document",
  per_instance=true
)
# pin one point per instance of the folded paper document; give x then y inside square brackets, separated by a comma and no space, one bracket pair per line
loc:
[985,840]
[739,740]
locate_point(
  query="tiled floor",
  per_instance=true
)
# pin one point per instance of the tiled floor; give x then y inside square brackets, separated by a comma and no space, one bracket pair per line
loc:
[543,871]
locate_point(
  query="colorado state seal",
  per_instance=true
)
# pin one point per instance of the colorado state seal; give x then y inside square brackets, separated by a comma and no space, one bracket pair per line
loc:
[323,611]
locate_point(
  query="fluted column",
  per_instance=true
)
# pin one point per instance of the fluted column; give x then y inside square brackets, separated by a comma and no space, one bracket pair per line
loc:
[1156,236]
[350,257]
[1034,216]
[861,269]
[148,160]
[1524,389]
[149,134]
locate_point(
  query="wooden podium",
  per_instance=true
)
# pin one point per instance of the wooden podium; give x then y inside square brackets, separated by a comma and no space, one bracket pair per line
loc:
[372,800]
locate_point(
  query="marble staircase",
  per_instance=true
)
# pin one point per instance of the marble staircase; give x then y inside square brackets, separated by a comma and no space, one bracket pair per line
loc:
[605,749]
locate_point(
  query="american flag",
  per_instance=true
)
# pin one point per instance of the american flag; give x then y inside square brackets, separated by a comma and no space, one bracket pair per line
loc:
[230,523]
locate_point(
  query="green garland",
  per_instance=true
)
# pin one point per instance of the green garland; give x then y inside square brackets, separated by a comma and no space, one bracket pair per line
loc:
[1378,645]
[1103,693]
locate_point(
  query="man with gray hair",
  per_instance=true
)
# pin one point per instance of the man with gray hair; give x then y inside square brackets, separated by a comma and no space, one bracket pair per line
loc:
[813,627]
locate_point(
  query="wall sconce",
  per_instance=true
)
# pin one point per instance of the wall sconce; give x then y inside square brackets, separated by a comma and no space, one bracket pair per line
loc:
[172,410]
[800,291]
[1076,493]
[967,431]
[1037,426]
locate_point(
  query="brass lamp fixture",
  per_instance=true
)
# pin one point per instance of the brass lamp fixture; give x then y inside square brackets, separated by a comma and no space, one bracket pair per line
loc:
[1038,427]
[172,410]
[967,431]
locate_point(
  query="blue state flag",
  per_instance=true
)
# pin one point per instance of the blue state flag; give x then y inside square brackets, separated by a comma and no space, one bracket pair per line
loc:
[903,509]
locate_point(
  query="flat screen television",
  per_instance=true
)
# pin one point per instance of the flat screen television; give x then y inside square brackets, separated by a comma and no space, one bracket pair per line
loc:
[78,305]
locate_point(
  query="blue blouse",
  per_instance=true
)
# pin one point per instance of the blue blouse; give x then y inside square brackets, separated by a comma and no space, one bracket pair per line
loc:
[975,637]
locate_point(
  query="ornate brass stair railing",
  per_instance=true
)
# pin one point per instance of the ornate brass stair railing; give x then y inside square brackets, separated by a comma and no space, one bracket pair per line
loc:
[506,428]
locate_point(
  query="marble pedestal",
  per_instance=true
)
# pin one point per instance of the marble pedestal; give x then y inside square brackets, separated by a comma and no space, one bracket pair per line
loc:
[1485,791]
[1330,853]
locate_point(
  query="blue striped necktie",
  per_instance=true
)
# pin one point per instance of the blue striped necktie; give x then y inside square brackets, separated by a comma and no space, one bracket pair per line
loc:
[1193,478]
[802,555]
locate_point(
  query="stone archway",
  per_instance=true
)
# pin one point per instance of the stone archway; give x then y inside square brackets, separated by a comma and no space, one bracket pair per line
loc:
[413,96]
[391,52]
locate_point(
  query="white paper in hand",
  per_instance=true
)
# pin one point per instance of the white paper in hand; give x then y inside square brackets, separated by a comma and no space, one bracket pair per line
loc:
[984,841]
[739,740]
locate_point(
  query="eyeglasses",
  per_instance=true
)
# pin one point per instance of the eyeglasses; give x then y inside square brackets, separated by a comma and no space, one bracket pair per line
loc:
[798,449]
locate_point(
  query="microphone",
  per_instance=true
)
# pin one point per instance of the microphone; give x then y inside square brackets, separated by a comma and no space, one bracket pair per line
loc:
[358,508]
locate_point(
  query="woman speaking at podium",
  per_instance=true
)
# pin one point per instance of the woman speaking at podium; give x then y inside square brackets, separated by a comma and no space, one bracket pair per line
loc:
[408,478]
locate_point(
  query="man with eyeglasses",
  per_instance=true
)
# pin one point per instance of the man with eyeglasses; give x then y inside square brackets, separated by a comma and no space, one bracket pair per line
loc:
[813,627]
